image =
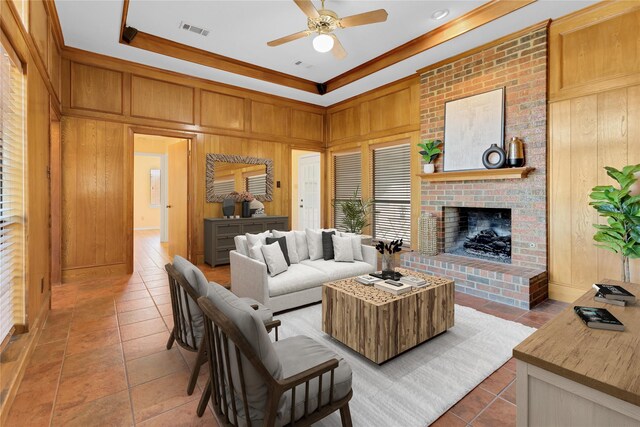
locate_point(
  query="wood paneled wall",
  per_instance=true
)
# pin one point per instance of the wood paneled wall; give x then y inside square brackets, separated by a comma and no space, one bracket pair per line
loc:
[385,115]
[106,101]
[594,122]
[38,48]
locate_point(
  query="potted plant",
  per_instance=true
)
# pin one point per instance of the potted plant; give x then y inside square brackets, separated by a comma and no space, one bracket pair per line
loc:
[388,251]
[430,150]
[621,207]
[356,212]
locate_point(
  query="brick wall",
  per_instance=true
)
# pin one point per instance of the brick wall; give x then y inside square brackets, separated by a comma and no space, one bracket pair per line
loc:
[520,66]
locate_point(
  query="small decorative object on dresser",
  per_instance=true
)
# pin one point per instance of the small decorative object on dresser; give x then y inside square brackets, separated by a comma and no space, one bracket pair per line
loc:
[256,208]
[515,153]
[494,157]
[430,151]
[388,252]
[228,207]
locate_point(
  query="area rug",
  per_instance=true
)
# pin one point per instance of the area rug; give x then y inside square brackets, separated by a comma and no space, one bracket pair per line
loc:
[417,387]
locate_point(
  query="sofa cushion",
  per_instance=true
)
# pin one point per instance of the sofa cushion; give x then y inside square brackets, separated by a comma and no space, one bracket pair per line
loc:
[298,354]
[241,245]
[256,253]
[327,244]
[342,249]
[340,270]
[252,327]
[199,284]
[292,248]
[282,241]
[297,278]
[314,241]
[274,258]
[301,245]
[356,243]
[252,239]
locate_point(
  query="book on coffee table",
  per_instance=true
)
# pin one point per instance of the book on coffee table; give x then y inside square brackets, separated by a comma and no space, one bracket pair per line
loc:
[367,280]
[598,318]
[393,287]
[600,298]
[414,281]
[614,292]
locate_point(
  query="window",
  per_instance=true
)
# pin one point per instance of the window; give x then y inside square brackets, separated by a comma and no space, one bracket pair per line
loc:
[392,193]
[257,184]
[11,190]
[348,176]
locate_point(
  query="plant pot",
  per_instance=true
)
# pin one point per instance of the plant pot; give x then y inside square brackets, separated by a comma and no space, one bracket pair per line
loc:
[429,168]
[246,209]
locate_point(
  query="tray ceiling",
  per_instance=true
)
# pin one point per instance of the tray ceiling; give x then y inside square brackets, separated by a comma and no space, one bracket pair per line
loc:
[241,29]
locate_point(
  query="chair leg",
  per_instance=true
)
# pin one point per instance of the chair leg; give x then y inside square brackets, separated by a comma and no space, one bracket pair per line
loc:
[204,399]
[200,360]
[171,339]
[345,416]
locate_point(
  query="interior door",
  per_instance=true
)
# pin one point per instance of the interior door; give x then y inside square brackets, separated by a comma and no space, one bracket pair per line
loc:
[309,191]
[177,160]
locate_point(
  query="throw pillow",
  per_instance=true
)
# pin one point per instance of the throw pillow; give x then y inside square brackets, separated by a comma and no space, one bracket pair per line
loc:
[356,242]
[301,245]
[252,239]
[342,249]
[291,244]
[256,253]
[314,240]
[274,258]
[327,245]
[282,241]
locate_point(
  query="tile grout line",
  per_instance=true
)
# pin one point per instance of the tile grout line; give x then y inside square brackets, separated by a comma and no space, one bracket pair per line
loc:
[124,362]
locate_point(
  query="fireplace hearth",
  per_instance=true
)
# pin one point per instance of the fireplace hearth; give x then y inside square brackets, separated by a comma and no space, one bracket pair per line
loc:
[483,233]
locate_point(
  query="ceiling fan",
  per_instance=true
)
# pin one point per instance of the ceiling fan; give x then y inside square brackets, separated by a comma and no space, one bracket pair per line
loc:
[323,22]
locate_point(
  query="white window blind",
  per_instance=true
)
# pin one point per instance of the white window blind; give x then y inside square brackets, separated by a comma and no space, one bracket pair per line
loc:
[392,193]
[257,184]
[11,190]
[223,187]
[347,179]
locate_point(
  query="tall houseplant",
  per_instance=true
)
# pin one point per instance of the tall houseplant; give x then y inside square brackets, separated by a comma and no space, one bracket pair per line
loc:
[356,212]
[430,150]
[621,207]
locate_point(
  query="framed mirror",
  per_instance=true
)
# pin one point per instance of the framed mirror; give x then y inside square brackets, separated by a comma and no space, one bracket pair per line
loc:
[228,173]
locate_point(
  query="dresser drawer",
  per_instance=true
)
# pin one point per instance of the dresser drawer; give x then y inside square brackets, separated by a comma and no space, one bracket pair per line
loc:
[225,243]
[228,230]
[253,227]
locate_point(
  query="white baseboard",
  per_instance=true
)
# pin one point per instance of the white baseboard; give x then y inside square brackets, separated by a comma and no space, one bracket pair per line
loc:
[146,228]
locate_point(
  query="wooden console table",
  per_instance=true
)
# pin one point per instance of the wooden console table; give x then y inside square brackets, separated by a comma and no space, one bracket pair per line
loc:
[569,374]
[380,325]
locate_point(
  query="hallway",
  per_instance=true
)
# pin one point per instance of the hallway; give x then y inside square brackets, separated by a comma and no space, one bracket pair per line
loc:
[101,358]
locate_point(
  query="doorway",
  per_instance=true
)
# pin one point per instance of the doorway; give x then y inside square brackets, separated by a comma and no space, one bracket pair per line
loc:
[160,199]
[306,190]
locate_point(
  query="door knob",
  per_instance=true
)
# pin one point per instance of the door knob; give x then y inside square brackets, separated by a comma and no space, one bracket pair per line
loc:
[168,206]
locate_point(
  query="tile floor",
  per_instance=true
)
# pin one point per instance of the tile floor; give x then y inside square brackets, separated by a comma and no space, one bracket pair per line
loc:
[102,357]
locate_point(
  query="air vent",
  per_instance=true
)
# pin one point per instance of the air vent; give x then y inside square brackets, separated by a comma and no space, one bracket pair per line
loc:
[194,29]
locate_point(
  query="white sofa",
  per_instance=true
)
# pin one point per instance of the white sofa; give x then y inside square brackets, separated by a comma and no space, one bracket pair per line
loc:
[301,284]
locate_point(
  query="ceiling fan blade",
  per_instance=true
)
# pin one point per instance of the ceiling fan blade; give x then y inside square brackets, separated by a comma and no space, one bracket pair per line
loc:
[372,17]
[289,38]
[338,50]
[308,8]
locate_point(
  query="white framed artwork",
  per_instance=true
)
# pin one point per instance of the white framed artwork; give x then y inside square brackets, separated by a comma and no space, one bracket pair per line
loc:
[471,125]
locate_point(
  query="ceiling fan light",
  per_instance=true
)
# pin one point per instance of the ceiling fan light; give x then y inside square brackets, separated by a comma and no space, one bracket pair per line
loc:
[439,14]
[323,43]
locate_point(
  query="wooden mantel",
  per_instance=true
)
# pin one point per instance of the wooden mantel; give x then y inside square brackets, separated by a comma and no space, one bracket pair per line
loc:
[477,174]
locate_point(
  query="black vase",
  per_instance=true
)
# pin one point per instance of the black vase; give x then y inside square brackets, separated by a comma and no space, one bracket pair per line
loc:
[228,207]
[246,210]
[493,164]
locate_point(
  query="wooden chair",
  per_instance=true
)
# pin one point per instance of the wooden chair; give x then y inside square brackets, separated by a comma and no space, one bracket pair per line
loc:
[235,366]
[187,331]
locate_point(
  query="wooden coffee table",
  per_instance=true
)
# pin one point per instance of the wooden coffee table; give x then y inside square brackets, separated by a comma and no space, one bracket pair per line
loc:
[380,325]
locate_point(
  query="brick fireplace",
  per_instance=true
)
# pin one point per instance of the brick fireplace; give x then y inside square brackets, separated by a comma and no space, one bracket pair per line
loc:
[519,279]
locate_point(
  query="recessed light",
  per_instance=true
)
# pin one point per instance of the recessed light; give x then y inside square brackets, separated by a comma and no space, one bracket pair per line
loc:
[439,14]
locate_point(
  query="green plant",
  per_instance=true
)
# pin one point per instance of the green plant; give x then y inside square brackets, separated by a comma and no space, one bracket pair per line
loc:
[356,212]
[621,208]
[430,149]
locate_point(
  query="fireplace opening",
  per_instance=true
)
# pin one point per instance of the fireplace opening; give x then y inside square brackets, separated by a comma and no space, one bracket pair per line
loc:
[483,233]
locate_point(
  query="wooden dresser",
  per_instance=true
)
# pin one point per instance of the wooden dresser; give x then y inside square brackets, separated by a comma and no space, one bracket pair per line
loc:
[571,375]
[219,234]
